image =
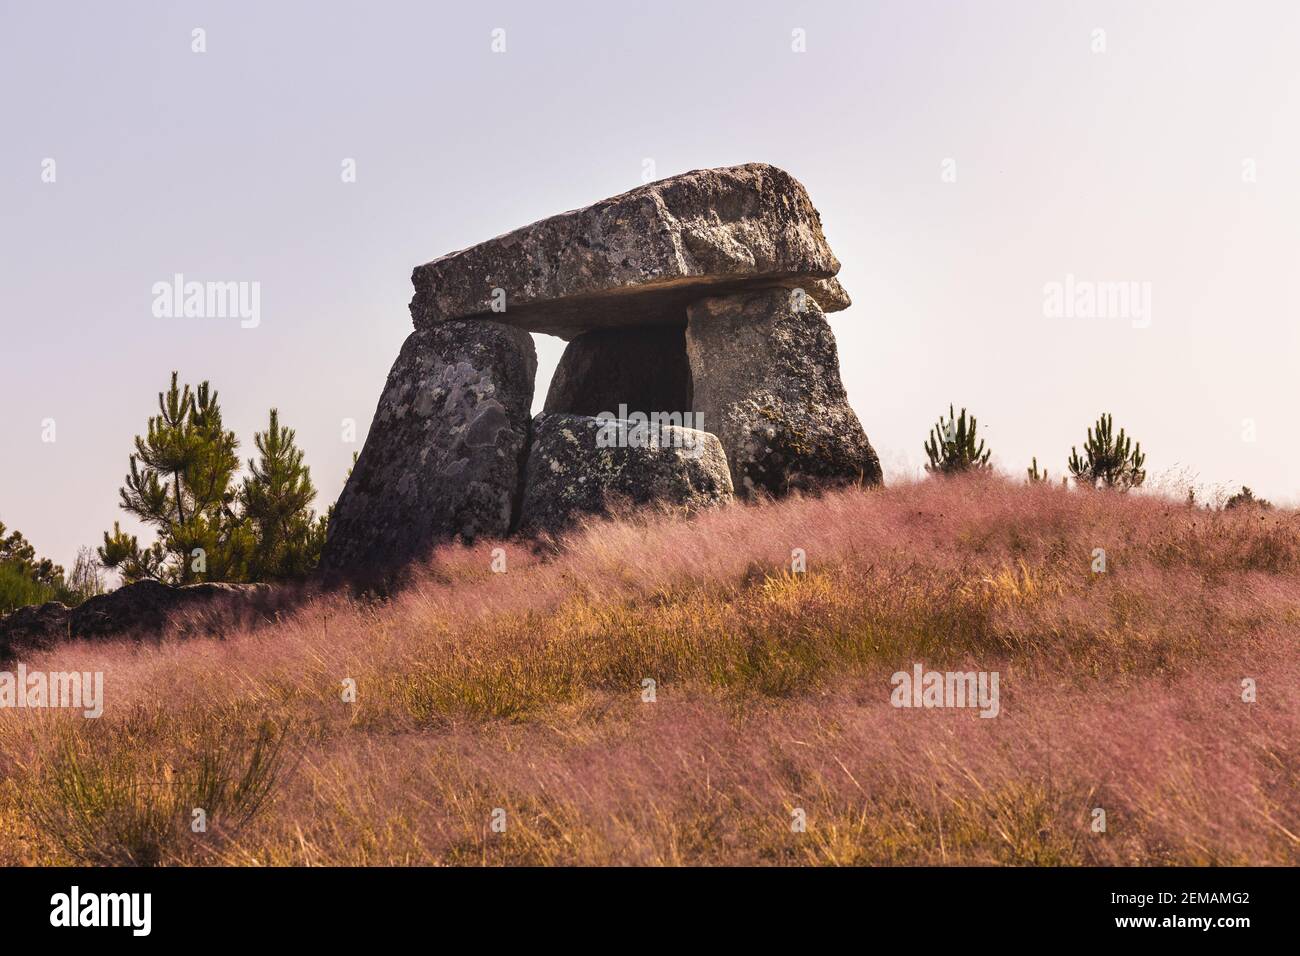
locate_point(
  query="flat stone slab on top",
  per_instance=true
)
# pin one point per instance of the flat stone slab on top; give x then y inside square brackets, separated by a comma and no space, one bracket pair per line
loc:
[640,257]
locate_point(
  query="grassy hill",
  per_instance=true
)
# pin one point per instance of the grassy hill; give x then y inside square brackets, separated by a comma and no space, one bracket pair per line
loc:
[485,697]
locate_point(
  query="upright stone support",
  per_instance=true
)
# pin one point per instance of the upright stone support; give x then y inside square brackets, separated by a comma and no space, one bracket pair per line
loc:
[767,381]
[444,457]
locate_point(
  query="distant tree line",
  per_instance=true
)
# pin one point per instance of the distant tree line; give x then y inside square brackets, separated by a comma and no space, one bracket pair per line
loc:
[27,579]
[1109,460]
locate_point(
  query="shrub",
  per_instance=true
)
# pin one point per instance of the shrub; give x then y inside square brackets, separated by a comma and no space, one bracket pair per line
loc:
[952,447]
[1109,461]
[1246,497]
[123,810]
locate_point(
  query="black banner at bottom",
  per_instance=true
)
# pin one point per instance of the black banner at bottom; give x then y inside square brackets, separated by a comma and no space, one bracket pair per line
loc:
[248,905]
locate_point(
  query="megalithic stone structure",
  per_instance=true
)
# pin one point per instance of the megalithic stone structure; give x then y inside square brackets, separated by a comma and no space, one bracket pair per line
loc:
[696,303]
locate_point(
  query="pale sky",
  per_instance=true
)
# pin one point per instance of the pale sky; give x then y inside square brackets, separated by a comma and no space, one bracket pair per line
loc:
[1163,151]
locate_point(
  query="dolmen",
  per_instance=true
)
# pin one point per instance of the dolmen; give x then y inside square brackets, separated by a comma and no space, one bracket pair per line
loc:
[699,367]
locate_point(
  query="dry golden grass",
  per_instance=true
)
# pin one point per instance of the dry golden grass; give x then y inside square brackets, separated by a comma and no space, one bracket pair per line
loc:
[522,693]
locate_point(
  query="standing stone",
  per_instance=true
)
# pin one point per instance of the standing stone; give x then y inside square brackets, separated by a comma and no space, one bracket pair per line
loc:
[582,465]
[445,451]
[644,368]
[767,381]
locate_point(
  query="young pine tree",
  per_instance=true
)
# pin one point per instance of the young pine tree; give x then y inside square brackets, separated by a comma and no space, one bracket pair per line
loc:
[180,482]
[1109,460]
[121,552]
[952,446]
[209,526]
[276,499]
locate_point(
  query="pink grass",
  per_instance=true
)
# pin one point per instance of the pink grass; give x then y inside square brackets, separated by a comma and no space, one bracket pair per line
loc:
[1121,691]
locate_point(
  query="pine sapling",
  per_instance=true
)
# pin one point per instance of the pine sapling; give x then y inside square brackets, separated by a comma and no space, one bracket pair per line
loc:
[1109,460]
[953,447]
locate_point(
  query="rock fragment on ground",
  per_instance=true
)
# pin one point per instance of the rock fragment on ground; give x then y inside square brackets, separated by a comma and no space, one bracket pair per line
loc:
[580,465]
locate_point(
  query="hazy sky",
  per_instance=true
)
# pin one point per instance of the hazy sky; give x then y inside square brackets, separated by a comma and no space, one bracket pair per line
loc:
[1169,159]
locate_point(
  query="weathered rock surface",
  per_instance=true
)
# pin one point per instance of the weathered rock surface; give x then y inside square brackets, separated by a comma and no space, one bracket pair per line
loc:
[569,474]
[444,456]
[143,609]
[644,368]
[35,626]
[767,381]
[640,257]
[140,607]
[146,607]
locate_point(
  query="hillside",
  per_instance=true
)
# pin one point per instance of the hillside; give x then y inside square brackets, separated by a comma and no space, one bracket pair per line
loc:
[479,692]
